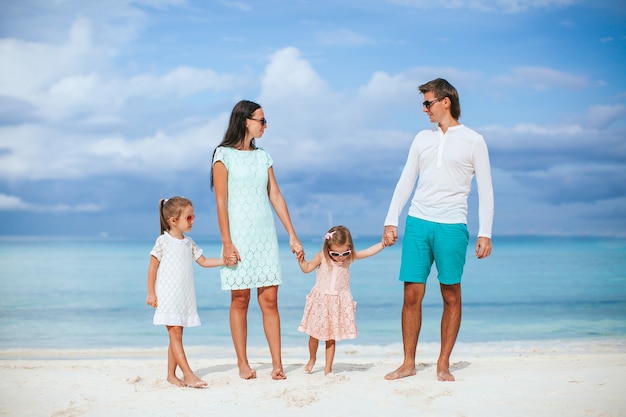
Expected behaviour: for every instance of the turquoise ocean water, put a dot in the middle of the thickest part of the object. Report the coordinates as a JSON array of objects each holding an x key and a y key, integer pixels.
[{"x": 73, "y": 293}]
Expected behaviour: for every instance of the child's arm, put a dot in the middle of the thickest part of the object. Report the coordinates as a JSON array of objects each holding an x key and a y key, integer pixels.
[
  {"x": 210, "y": 262},
  {"x": 307, "y": 267},
  {"x": 151, "y": 299},
  {"x": 372, "y": 250}
]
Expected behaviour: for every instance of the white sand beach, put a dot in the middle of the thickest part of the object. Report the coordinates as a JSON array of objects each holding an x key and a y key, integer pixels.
[{"x": 548, "y": 378}]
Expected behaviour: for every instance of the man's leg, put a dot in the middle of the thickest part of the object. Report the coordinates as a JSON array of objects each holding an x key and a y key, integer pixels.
[
  {"x": 411, "y": 324},
  {"x": 450, "y": 324}
]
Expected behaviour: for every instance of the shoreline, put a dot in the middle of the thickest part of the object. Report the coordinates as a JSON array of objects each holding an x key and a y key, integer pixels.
[
  {"x": 522, "y": 378},
  {"x": 476, "y": 349}
]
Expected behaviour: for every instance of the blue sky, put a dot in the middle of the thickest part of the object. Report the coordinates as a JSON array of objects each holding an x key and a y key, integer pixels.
[{"x": 107, "y": 106}]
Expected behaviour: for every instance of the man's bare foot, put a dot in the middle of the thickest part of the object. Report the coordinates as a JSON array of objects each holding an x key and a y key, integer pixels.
[
  {"x": 278, "y": 374},
  {"x": 308, "y": 368},
  {"x": 175, "y": 381},
  {"x": 194, "y": 382},
  {"x": 443, "y": 370},
  {"x": 445, "y": 375},
  {"x": 402, "y": 372},
  {"x": 246, "y": 372}
]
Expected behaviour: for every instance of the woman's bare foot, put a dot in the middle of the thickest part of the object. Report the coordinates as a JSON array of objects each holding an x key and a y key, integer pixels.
[
  {"x": 328, "y": 370},
  {"x": 402, "y": 372},
  {"x": 308, "y": 368},
  {"x": 246, "y": 372},
  {"x": 278, "y": 374},
  {"x": 172, "y": 379},
  {"x": 194, "y": 382}
]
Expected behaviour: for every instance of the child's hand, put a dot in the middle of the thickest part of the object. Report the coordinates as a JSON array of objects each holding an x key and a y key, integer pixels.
[
  {"x": 151, "y": 300},
  {"x": 233, "y": 259},
  {"x": 300, "y": 256}
]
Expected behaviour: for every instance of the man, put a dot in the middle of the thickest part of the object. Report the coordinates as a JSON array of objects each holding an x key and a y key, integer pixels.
[{"x": 443, "y": 161}]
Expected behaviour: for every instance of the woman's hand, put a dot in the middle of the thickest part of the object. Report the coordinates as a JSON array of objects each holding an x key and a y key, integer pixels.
[
  {"x": 230, "y": 254},
  {"x": 295, "y": 245}
]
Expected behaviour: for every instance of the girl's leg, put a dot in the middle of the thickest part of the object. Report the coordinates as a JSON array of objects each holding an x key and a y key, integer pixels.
[
  {"x": 171, "y": 369},
  {"x": 268, "y": 301},
  {"x": 313, "y": 344},
  {"x": 330, "y": 356},
  {"x": 178, "y": 354},
  {"x": 239, "y": 301}
]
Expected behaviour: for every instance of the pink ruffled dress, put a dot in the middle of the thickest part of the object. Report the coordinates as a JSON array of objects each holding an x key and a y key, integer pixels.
[{"x": 330, "y": 311}]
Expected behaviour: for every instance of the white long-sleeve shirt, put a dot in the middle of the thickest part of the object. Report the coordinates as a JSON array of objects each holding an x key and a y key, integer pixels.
[{"x": 443, "y": 166}]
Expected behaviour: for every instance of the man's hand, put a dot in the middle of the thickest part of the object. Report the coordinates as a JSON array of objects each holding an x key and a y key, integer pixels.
[
  {"x": 390, "y": 236},
  {"x": 483, "y": 247}
]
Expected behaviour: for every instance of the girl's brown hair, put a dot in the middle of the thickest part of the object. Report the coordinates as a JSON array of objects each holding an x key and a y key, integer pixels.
[
  {"x": 338, "y": 235},
  {"x": 171, "y": 207}
]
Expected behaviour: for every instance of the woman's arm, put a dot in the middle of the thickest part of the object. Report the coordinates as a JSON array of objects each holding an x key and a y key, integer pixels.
[
  {"x": 280, "y": 207},
  {"x": 220, "y": 186}
]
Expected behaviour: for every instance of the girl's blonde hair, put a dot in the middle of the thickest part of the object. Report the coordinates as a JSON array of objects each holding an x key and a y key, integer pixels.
[
  {"x": 338, "y": 235},
  {"x": 171, "y": 207}
]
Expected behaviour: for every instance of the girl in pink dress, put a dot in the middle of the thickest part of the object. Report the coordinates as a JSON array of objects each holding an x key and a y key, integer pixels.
[{"x": 329, "y": 313}]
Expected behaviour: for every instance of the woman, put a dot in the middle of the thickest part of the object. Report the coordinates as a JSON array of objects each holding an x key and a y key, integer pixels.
[{"x": 245, "y": 187}]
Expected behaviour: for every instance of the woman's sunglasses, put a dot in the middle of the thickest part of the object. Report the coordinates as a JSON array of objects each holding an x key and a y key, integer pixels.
[{"x": 338, "y": 254}]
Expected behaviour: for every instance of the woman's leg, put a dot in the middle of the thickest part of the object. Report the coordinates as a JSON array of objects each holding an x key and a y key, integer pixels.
[
  {"x": 330, "y": 356},
  {"x": 178, "y": 354},
  {"x": 239, "y": 302},
  {"x": 313, "y": 345},
  {"x": 268, "y": 301}
]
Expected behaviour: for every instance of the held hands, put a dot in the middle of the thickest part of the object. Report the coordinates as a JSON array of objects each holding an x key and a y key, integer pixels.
[
  {"x": 390, "y": 236},
  {"x": 297, "y": 249},
  {"x": 296, "y": 246},
  {"x": 230, "y": 254}
]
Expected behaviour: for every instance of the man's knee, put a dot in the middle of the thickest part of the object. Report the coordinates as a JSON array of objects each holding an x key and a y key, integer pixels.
[
  {"x": 451, "y": 294},
  {"x": 413, "y": 294}
]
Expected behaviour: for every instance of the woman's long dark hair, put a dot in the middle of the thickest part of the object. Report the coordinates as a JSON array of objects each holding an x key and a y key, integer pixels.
[{"x": 236, "y": 131}]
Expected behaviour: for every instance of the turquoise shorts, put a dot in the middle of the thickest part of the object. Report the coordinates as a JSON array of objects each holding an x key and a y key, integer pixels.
[{"x": 426, "y": 242}]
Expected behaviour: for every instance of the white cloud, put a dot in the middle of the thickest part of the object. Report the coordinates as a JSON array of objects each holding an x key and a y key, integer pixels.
[
  {"x": 343, "y": 37},
  {"x": 602, "y": 116},
  {"x": 541, "y": 79},
  {"x": 12, "y": 203},
  {"x": 29, "y": 67},
  {"x": 505, "y": 6}
]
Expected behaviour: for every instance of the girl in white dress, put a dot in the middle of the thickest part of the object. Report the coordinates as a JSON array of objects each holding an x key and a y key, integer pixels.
[{"x": 171, "y": 286}]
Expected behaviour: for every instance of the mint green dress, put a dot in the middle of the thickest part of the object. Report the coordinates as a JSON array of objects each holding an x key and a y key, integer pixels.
[{"x": 251, "y": 220}]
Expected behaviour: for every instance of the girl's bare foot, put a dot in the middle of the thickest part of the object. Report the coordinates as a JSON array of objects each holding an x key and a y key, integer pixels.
[
  {"x": 278, "y": 374},
  {"x": 308, "y": 368},
  {"x": 172, "y": 379},
  {"x": 246, "y": 372},
  {"x": 194, "y": 382}
]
